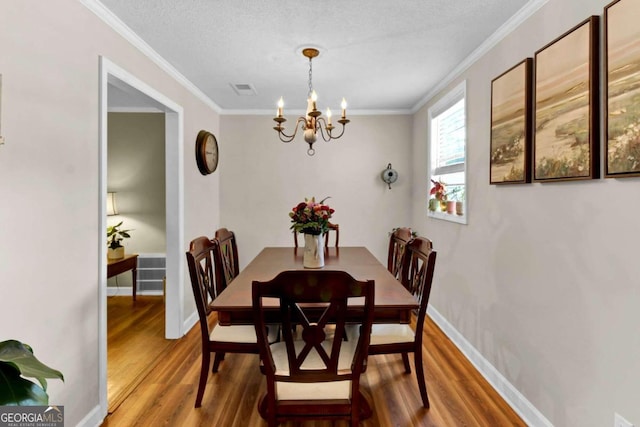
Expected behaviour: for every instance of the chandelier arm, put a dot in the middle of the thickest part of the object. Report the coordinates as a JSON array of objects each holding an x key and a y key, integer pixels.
[
  {"x": 341, "y": 133},
  {"x": 289, "y": 138},
  {"x": 320, "y": 122}
]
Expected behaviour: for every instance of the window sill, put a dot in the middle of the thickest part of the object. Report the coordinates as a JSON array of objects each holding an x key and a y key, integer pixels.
[{"x": 460, "y": 219}]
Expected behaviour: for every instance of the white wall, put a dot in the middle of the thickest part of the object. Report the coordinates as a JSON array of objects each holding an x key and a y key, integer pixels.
[
  {"x": 544, "y": 280},
  {"x": 263, "y": 178},
  {"x": 49, "y": 171}
]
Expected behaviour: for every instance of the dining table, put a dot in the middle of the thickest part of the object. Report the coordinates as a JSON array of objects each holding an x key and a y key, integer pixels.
[{"x": 393, "y": 303}]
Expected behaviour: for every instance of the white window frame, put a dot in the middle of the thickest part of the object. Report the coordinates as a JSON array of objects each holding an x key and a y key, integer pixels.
[{"x": 450, "y": 99}]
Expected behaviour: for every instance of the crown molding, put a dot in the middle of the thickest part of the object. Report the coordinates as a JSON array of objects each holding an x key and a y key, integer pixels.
[
  {"x": 134, "y": 110},
  {"x": 505, "y": 29},
  {"x": 303, "y": 112},
  {"x": 129, "y": 35}
]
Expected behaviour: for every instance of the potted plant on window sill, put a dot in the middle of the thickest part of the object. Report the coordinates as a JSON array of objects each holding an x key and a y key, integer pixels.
[
  {"x": 114, "y": 237},
  {"x": 455, "y": 199},
  {"x": 17, "y": 362},
  {"x": 439, "y": 194}
]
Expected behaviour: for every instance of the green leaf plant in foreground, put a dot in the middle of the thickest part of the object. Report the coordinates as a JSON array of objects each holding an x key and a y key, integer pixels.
[{"x": 17, "y": 361}]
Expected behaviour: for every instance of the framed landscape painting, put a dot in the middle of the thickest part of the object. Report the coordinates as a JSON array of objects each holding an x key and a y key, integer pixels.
[
  {"x": 511, "y": 119},
  {"x": 622, "y": 106},
  {"x": 566, "y": 106}
]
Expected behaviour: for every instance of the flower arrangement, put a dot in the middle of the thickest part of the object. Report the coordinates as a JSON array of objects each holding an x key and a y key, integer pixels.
[
  {"x": 311, "y": 217},
  {"x": 438, "y": 190}
]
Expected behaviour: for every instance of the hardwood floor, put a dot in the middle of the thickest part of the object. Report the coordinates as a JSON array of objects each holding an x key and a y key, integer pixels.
[
  {"x": 459, "y": 395},
  {"x": 135, "y": 341}
]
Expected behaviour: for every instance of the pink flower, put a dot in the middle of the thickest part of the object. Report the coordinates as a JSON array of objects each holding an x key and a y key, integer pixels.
[{"x": 310, "y": 216}]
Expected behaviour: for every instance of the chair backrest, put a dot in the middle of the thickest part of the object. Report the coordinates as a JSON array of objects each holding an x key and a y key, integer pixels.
[
  {"x": 419, "y": 278},
  {"x": 322, "y": 354},
  {"x": 398, "y": 241},
  {"x": 225, "y": 258},
  {"x": 199, "y": 261},
  {"x": 335, "y": 228},
  {"x": 332, "y": 227}
]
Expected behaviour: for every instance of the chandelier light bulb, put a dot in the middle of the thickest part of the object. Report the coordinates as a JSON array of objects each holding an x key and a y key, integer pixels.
[
  {"x": 343, "y": 104},
  {"x": 329, "y": 116},
  {"x": 280, "y": 105}
]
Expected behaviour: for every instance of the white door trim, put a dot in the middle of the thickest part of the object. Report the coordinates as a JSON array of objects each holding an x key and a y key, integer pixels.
[{"x": 110, "y": 73}]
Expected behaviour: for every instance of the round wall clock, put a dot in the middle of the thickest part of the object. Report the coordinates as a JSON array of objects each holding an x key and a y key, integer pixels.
[{"x": 206, "y": 152}]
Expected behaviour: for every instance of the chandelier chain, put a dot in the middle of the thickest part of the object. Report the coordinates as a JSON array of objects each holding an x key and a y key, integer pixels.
[{"x": 310, "y": 78}]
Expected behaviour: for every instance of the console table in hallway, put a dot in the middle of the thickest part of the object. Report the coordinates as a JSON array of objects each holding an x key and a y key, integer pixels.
[{"x": 118, "y": 266}]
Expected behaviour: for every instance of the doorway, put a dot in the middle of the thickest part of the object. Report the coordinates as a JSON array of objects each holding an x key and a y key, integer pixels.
[{"x": 141, "y": 96}]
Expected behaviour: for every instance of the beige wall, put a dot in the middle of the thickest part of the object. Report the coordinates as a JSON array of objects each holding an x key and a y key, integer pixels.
[
  {"x": 263, "y": 178},
  {"x": 544, "y": 280},
  {"x": 49, "y": 182}
]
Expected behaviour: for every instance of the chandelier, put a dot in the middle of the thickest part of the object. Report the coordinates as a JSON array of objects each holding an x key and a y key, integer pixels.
[{"x": 313, "y": 123}]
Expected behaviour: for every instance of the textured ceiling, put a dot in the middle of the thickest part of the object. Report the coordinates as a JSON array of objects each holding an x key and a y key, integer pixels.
[{"x": 379, "y": 55}]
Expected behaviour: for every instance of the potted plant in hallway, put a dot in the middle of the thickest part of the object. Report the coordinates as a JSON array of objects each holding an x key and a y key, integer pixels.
[
  {"x": 114, "y": 237},
  {"x": 17, "y": 362}
]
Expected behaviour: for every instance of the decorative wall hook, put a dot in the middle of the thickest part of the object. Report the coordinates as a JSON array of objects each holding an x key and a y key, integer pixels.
[{"x": 389, "y": 175}]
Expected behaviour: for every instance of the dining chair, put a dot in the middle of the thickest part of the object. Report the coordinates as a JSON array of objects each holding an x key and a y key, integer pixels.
[
  {"x": 225, "y": 261},
  {"x": 332, "y": 227},
  {"x": 316, "y": 376},
  {"x": 397, "y": 244},
  {"x": 219, "y": 339},
  {"x": 336, "y": 229},
  {"x": 400, "y": 338},
  {"x": 225, "y": 257}
]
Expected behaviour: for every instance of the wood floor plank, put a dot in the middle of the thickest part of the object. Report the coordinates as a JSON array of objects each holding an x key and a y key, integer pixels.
[
  {"x": 135, "y": 340},
  {"x": 165, "y": 396}
]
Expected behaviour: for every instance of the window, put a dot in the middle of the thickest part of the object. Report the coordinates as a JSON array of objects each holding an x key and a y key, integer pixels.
[{"x": 447, "y": 157}]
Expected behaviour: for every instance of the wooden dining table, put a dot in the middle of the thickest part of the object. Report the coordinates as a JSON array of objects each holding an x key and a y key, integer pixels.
[{"x": 393, "y": 303}]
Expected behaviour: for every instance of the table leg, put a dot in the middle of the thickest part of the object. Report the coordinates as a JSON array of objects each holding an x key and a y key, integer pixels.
[{"x": 134, "y": 284}]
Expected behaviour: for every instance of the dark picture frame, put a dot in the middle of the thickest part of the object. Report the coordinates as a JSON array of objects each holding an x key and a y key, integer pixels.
[
  {"x": 511, "y": 125},
  {"x": 566, "y": 99},
  {"x": 622, "y": 89}
]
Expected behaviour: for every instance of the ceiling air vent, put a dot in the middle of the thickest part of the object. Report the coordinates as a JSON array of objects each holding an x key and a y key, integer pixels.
[{"x": 244, "y": 89}]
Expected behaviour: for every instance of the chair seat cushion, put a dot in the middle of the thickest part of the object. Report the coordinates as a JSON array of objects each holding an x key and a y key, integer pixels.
[
  {"x": 240, "y": 333},
  {"x": 391, "y": 333},
  {"x": 312, "y": 391}
]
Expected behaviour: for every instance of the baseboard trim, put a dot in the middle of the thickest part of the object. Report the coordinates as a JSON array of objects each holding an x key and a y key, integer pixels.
[
  {"x": 189, "y": 322},
  {"x": 529, "y": 413},
  {"x": 93, "y": 418},
  {"x": 113, "y": 291}
]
